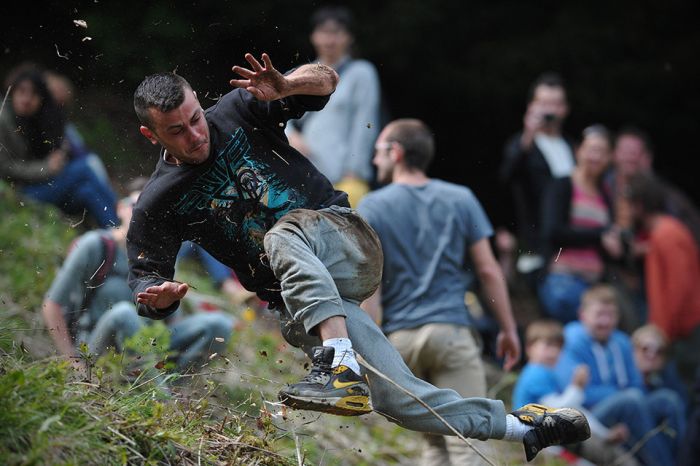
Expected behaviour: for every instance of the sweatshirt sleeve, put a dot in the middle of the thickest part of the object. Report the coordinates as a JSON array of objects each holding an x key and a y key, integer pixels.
[
  {"x": 275, "y": 112},
  {"x": 152, "y": 246}
]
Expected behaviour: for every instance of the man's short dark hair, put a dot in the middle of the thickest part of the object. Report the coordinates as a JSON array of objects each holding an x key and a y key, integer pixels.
[
  {"x": 164, "y": 91},
  {"x": 549, "y": 79},
  {"x": 647, "y": 191},
  {"x": 416, "y": 139},
  {"x": 339, "y": 14},
  {"x": 636, "y": 132}
]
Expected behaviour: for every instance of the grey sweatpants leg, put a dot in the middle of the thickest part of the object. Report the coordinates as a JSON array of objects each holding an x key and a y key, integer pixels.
[{"x": 327, "y": 262}]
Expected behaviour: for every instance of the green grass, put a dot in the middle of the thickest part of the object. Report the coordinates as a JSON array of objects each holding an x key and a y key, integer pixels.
[
  {"x": 45, "y": 418},
  {"x": 33, "y": 241}
]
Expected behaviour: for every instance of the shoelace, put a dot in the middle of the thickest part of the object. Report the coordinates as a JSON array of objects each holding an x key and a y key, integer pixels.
[
  {"x": 548, "y": 433},
  {"x": 318, "y": 374}
]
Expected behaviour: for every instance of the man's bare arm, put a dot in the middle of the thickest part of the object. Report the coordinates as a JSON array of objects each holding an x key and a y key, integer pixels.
[
  {"x": 266, "y": 83},
  {"x": 496, "y": 291},
  {"x": 313, "y": 79}
]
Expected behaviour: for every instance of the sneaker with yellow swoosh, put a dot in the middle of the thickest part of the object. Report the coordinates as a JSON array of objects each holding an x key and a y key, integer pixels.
[
  {"x": 551, "y": 426},
  {"x": 329, "y": 390}
]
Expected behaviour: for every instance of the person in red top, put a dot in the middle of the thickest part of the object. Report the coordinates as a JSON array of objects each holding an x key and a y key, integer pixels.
[{"x": 672, "y": 271}]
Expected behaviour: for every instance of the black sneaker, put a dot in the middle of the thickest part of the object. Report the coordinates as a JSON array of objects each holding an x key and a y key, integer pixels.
[
  {"x": 334, "y": 391},
  {"x": 551, "y": 427}
]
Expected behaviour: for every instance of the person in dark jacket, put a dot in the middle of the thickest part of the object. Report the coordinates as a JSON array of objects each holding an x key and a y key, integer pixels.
[{"x": 532, "y": 159}]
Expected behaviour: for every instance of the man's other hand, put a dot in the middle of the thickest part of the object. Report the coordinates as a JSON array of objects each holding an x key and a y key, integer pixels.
[{"x": 162, "y": 296}]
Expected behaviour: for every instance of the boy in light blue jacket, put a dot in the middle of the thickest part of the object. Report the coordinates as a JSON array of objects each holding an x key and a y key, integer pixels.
[{"x": 615, "y": 392}]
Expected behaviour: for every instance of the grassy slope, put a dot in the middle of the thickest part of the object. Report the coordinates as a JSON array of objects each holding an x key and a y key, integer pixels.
[{"x": 49, "y": 415}]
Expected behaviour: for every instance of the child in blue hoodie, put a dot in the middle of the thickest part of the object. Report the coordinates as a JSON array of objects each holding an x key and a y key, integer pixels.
[
  {"x": 538, "y": 383},
  {"x": 615, "y": 392}
]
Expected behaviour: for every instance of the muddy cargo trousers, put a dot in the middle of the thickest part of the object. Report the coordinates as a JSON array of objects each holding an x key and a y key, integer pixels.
[{"x": 329, "y": 261}]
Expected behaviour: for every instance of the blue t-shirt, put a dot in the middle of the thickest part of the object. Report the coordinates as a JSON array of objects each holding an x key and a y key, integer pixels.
[
  {"x": 534, "y": 382},
  {"x": 426, "y": 232}
]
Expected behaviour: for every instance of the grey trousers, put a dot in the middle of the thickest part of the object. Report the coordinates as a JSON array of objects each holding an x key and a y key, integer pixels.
[{"x": 328, "y": 262}]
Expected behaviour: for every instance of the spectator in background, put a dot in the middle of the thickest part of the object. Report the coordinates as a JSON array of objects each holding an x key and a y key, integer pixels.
[
  {"x": 532, "y": 158},
  {"x": 35, "y": 155},
  {"x": 671, "y": 269},
  {"x": 633, "y": 155},
  {"x": 339, "y": 140},
  {"x": 576, "y": 228},
  {"x": 615, "y": 392},
  {"x": 537, "y": 383},
  {"x": 651, "y": 357},
  {"x": 428, "y": 228},
  {"x": 90, "y": 301},
  {"x": 63, "y": 92}
]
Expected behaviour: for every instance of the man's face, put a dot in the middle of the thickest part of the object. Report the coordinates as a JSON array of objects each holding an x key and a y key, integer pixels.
[
  {"x": 550, "y": 100},
  {"x": 331, "y": 40},
  {"x": 25, "y": 100},
  {"x": 600, "y": 319},
  {"x": 631, "y": 155},
  {"x": 383, "y": 158},
  {"x": 183, "y": 131}
]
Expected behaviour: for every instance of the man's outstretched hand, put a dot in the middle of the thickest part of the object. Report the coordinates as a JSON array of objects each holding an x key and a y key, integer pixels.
[
  {"x": 162, "y": 296},
  {"x": 265, "y": 83}
]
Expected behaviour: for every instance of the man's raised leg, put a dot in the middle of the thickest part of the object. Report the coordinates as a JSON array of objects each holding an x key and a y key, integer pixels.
[{"x": 295, "y": 247}]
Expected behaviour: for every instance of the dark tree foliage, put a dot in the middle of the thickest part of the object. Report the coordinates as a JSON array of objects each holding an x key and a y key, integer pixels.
[{"x": 464, "y": 67}]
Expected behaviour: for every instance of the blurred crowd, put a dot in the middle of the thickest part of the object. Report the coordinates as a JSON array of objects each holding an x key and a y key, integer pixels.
[
  {"x": 608, "y": 250},
  {"x": 604, "y": 249}
]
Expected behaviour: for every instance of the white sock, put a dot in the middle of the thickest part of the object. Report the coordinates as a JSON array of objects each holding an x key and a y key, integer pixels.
[
  {"x": 515, "y": 428},
  {"x": 343, "y": 353}
]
